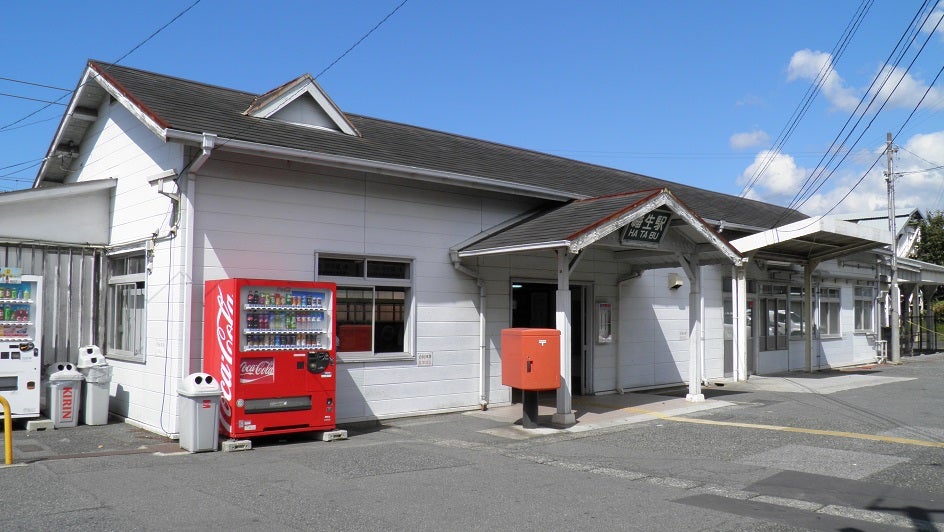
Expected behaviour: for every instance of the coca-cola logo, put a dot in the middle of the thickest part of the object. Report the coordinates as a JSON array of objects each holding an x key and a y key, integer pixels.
[
  {"x": 257, "y": 370},
  {"x": 225, "y": 341}
]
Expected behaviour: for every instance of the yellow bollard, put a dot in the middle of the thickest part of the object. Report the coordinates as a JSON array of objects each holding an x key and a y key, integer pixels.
[{"x": 7, "y": 431}]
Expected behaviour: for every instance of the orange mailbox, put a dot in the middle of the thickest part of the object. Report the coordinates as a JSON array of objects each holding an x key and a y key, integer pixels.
[{"x": 531, "y": 358}]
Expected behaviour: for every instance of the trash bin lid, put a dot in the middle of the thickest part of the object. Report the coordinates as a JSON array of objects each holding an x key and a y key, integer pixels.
[
  {"x": 68, "y": 373},
  {"x": 198, "y": 385},
  {"x": 57, "y": 366},
  {"x": 89, "y": 356}
]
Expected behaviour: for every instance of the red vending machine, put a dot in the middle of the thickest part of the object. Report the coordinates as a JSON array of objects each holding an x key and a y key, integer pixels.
[{"x": 271, "y": 346}]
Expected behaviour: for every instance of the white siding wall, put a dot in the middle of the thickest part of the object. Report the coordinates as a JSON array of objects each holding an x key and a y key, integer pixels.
[
  {"x": 713, "y": 320},
  {"x": 119, "y": 147},
  {"x": 849, "y": 348},
  {"x": 263, "y": 221},
  {"x": 653, "y": 330}
]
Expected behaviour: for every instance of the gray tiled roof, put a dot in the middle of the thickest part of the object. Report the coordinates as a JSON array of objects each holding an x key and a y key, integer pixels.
[
  {"x": 200, "y": 108},
  {"x": 564, "y": 223}
]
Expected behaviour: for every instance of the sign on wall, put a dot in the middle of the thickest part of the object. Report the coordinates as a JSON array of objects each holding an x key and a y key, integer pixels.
[{"x": 648, "y": 229}]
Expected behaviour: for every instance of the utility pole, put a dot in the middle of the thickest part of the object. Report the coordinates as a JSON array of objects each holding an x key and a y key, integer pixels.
[{"x": 895, "y": 296}]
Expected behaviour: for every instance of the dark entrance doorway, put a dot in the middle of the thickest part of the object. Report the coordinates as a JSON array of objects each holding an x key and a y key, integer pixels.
[{"x": 535, "y": 305}]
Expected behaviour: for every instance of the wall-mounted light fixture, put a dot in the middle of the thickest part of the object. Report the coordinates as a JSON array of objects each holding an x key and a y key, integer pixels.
[{"x": 675, "y": 281}]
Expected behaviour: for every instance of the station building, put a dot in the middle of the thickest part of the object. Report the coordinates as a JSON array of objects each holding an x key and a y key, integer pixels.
[{"x": 154, "y": 185}]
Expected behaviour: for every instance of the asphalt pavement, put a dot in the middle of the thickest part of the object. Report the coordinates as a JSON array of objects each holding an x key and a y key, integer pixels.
[{"x": 854, "y": 449}]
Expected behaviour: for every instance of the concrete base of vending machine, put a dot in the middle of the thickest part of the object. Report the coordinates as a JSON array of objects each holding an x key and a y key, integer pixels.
[
  {"x": 37, "y": 425},
  {"x": 236, "y": 445},
  {"x": 333, "y": 435}
]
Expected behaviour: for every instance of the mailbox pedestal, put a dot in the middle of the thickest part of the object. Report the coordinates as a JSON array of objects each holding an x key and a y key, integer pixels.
[{"x": 531, "y": 363}]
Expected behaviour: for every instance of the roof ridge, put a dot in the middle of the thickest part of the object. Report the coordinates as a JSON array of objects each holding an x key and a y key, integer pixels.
[{"x": 108, "y": 66}]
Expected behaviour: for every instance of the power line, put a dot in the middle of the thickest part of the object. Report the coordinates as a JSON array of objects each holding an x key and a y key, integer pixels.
[
  {"x": 887, "y": 98},
  {"x": 51, "y": 102},
  {"x": 812, "y": 91},
  {"x": 818, "y": 177},
  {"x": 359, "y": 41},
  {"x": 34, "y": 84},
  {"x": 936, "y": 167},
  {"x": 340, "y": 57},
  {"x": 70, "y": 93}
]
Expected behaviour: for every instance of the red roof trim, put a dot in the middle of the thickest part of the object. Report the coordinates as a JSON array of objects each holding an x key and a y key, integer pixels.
[
  {"x": 103, "y": 73},
  {"x": 653, "y": 193}
]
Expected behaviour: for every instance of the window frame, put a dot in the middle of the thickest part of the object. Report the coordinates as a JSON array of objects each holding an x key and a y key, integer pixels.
[
  {"x": 117, "y": 286},
  {"x": 773, "y": 297},
  {"x": 358, "y": 278},
  {"x": 863, "y": 323},
  {"x": 829, "y": 297}
]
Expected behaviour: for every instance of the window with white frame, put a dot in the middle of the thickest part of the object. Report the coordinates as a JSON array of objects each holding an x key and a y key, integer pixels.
[
  {"x": 126, "y": 325},
  {"x": 795, "y": 316},
  {"x": 773, "y": 315},
  {"x": 374, "y": 299},
  {"x": 829, "y": 305},
  {"x": 864, "y": 308}
]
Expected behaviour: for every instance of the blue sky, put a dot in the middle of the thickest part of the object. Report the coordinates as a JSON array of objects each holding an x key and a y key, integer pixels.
[{"x": 689, "y": 91}]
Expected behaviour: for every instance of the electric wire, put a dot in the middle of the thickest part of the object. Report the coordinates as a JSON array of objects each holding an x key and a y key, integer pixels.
[
  {"x": 40, "y": 100},
  {"x": 816, "y": 179},
  {"x": 937, "y": 166},
  {"x": 133, "y": 49},
  {"x": 366, "y": 35},
  {"x": 336, "y": 60},
  {"x": 812, "y": 91},
  {"x": 34, "y": 84},
  {"x": 903, "y": 125}
]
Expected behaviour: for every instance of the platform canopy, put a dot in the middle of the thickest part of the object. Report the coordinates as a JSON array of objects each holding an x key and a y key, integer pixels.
[{"x": 814, "y": 239}]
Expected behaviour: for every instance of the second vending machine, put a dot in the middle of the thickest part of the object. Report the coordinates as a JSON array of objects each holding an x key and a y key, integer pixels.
[{"x": 271, "y": 346}]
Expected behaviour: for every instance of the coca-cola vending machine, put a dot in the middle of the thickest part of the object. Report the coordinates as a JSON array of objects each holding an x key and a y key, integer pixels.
[{"x": 271, "y": 346}]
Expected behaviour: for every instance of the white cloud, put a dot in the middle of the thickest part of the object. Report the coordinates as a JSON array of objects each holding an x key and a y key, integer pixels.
[
  {"x": 778, "y": 182},
  {"x": 916, "y": 187},
  {"x": 751, "y": 100},
  {"x": 908, "y": 91},
  {"x": 935, "y": 20},
  {"x": 751, "y": 139},
  {"x": 812, "y": 66}
]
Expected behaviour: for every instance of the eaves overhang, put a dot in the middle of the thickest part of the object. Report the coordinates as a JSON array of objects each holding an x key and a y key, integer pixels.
[
  {"x": 81, "y": 112},
  {"x": 391, "y": 169}
]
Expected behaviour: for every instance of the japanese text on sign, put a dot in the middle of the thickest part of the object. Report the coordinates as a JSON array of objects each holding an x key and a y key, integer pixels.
[{"x": 649, "y": 228}]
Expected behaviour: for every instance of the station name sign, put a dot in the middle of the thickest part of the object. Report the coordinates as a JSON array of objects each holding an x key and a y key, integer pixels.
[{"x": 647, "y": 229}]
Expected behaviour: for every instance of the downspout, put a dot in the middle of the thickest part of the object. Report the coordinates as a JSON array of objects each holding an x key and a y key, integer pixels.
[
  {"x": 186, "y": 250},
  {"x": 483, "y": 358}
]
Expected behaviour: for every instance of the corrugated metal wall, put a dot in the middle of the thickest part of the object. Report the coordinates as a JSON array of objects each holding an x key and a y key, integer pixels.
[{"x": 72, "y": 295}]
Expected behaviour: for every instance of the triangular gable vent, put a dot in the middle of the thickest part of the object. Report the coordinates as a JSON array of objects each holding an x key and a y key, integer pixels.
[{"x": 303, "y": 102}]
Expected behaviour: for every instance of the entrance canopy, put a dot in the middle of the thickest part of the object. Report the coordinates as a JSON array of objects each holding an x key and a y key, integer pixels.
[{"x": 651, "y": 227}]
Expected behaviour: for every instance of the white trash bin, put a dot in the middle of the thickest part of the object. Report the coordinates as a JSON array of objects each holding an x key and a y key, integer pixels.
[
  {"x": 93, "y": 366},
  {"x": 199, "y": 412},
  {"x": 65, "y": 395}
]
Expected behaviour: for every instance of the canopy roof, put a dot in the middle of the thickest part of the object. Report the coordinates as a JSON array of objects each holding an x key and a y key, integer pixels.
[{"x": 813, "y": 239}]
